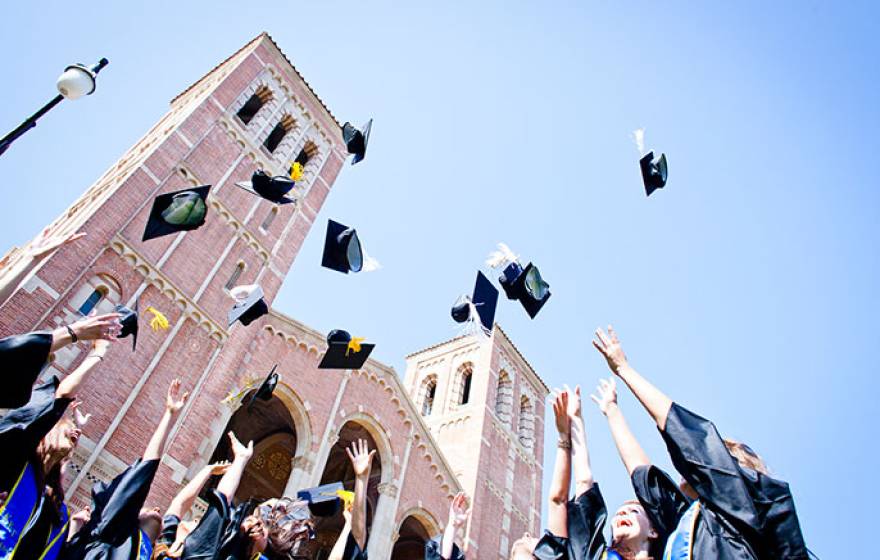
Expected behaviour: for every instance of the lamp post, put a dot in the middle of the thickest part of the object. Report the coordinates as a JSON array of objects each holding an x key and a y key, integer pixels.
[{"x": 76, "y": 81}]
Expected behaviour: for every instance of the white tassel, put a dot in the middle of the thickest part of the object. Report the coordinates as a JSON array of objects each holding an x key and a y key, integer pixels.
[
  {"x": 502, "y": 257},
  {"x": 370, "y": 264},
  {"x": 81, "y": 419},
  {"x": 473, "y": 326},
  {"x": 639, "y": 138}
]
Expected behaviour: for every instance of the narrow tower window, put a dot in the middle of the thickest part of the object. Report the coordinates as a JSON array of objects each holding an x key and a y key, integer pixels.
[
  {"x": 278, "y": 133},
  {"x": 504, "y": 397},
  {"x": 270, "y": 217},
  {"x": 253, "y": 105},
  {"x": 429, "y": 391},
  {"x": 463, "y": 383},
  {"x": 233, "y": 278},
  {"x": 526, "y": 423},
  {"x": 94, "y": 298}
]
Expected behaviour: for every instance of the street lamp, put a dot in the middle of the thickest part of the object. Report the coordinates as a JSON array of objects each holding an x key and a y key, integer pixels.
[{"x": 76, "y": 81}]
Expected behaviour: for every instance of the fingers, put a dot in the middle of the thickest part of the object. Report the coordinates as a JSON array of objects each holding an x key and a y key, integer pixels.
[
  {"x": 603, "y": 338},
  {"x": 349, "y": 453},
  {"x": 612, "y": 334},
  {"x": 599, "y": 347},
  {"x": 596, "y": 400}
]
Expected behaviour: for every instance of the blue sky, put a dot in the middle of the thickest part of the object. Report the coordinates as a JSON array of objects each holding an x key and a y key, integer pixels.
[{"x": 745, "y": 289}]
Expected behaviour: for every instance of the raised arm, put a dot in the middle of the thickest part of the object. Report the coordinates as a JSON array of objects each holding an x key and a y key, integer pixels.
[
  {"x": 184, "y": 499},
  {"x": 362, "y": 463},
  {"x": 655, "y": 402},
  {"x": 93, "y": 327},
  {"x": 458, "y": 517},
  {"x": 338, "y": 550},
  {"x": 557, "y": 499},
  {"x": 631, "y": 452},
  {"x": 229, "y": 483},
  {"x": 39, "y": 249},
  {"x": 173, "y": 403},
  {"x": 68, "y": 387},
  {"x": 580, "y": 453}
]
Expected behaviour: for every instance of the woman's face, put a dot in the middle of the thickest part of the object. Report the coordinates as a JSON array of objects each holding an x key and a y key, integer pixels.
[
  {"x": 62, "y": 438},
  {"x": 631, "y": 524},
  {"x": 256, "y": 532}
]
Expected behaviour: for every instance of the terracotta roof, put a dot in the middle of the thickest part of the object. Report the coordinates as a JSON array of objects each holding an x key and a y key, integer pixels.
[{"x": 249, "y": 44}]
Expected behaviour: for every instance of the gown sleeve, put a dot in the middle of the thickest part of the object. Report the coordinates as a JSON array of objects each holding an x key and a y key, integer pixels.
[
  {"x": 204, "y": 541},
  {"x": 664, "y": 503},
  {"x": 21, "y": 429},
  {"x": 23, "y": 357},
  {"x": 433, "y": 550},
  {"x": 352, "y": 550},
  {"x": 118, "y": 504},
  {"x": 586, "y": 520},
  {"x": 551, "y": 547},
  {"x": 753, "y": 500}
]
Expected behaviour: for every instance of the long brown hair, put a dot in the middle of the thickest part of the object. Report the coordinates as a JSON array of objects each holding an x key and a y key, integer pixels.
[{"x": 746, "y": 456}]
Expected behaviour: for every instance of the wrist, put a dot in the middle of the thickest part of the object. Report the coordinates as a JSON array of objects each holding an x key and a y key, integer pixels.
[{"x": 610, "y": 409}]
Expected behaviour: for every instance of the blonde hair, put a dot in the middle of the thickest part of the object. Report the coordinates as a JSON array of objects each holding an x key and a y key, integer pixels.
[{"x": 746, "y": 456}]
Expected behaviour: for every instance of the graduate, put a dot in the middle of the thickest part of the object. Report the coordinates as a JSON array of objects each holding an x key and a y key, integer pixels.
[
  {"x": 445, "y": 547},
  {"x": 738, "y": 510},
  {"x": 207, "y": 538},
  {"x": 24, "y": 356},
  {"x": 352, "y": 541},
  {"x": 119, "y": 526},
  {"x": 169, "y": 544},
  {"x": 37, "y": 440},
  {"x": 633, "y": 536},
  {"x": 35, "y": 253},
  {"x": 553, "y": 545}
]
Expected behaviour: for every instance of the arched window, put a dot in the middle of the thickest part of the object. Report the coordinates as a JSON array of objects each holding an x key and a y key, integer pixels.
[
  {"x": 269, "y": 218},
  {"x": 285, "y": 125},
  {"x": 253, "y": 105},
  {"x": 526, "y": 429},
  {"x": 463, "y": 378},
  {"x": 92, "y": 301},
  {"x": 427, "y": 394},
  {"x": 236, "y": 274},
  {"x": 504, "y": 397}
]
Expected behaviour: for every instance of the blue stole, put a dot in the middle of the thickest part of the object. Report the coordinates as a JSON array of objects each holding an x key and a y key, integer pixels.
[
  {"x": 17, "y": 511},
  {"x": 145, "y": 547},
  {"x": 680, "y": 545},
  {"x": 611, "y": 555}
]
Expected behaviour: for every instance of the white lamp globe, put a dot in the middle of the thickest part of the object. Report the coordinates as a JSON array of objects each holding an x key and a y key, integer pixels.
[{"x": 76, "y": 81}]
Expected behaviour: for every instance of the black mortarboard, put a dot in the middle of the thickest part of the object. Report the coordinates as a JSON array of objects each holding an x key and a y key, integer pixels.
[
  {"x": 129, "y": 321},
  {"x": 508, "y": 278},
  {"x": 177, "y": 211},
  {"x": 249, "y": 305},
  {"x": 324, "y": 501},
  {"x": 264, "y": 392},
  {"x": 272, "y": 189},
  {"x": 654, "y": 172},
  {"x": 356, "y": 140},
  {"x": 484, "y": 300},
  {"x": 528, "y": 287},
  {"x": 342, "y": 249},
  {"x": 342, "y": 354}
]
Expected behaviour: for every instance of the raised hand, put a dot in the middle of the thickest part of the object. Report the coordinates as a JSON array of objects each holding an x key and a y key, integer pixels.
[
  {"x": 459, "y": 510},
  {"x": 361, "y": 457},
  {"x": 574, "y": 402},
  {"x": 95, "y": 327},
  {"x": 560, "y": 412},
  {"x": 99, "y": 347},
  {"x": 79, "y": 519},
  {"x": 174, "y": 401},
  {"x": 239, "y": 450},
  {"x": 609, "y": 346},
  {"x": 607, "y": 390},
  {"x": 45, "y": 243}
]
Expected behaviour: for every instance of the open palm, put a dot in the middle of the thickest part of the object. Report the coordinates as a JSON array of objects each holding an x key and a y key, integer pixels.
[{"x": 361, "y": 457}]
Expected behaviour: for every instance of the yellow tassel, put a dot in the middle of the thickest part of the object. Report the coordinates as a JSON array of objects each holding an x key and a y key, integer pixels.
[
  {"x": 296, "y": 171},
  {"x": 354, "y": 345},
  {"x": 346, "y": 497},
  {"x": 159, "y": 321}
]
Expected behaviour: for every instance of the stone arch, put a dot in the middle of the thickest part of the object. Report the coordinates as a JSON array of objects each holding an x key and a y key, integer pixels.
[
  {"x": 462, "y": 384},
  {"x": 504, "y": 397},
  {"x": 427, "y": 395},
  {"x": 416, "y": 527}
]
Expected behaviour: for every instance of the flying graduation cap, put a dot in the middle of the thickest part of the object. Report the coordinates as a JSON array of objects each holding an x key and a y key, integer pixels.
[
  {"x": 343, "y": 251},
  {"x": 356, "y": 140},
  {"x": 272, "y": 189},
  {"x": 345, "y": 351},
  {"x": 177, "y": 211},
  {"x": 654, "y": 172},
  {"x": 129, "y": 320},
  {"x": 249, "y": 304},
  {"x": 477, "y": 311},
  {"x": 324, "y": 500},
  {"x": 264, "y": 392},
  {"x": 525, "y": 285}
]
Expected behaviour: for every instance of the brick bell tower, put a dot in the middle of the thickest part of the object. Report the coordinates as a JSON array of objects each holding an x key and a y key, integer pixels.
[
  {"x": 252, "y": 110},
  {"x": 484, "y": 405}
]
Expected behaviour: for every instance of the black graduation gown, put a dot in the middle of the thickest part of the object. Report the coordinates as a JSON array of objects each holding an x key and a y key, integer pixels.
[
  {"x": 166, "y": 538},
  {"x": 433, "y": 549},
  {"x": 23, "y": 357},
  {"x": 113, "y": 532},
  {"x": 204, "y": 541},
  {"x": 353, "y": 551},
  {"x": 551, "y": 547},
  {"x": 744, "y": 514},
  {"x": 21, "y": 430},
  {"x": 586, "y": 521}
]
